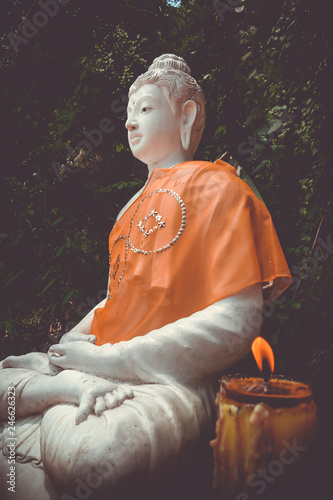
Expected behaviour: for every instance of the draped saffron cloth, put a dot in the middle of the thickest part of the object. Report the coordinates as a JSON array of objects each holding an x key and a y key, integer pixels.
[{"x": 195, "y": 235}]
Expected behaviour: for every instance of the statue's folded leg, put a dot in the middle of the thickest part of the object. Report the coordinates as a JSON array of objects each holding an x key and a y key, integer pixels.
[
  {"x": 25, "y": 435},
  {"x": 142, "y": 441}
]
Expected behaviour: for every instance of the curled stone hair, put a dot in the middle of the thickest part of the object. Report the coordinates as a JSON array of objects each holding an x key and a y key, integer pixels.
[{"x": 172, "y": 73}]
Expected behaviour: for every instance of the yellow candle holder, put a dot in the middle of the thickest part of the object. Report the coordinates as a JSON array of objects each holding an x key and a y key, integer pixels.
[{"x": 261, "y": 431}]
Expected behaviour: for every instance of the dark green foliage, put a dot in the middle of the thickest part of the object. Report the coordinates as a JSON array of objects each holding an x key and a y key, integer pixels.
[{"x": 263, "y": 68}]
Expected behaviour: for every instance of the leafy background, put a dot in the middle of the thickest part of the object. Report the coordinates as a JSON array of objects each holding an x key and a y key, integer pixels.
[{"x": 263, "y": 66}]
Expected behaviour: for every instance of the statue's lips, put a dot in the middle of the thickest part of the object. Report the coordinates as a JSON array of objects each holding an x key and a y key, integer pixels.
[{"x": 135, "y": 139}]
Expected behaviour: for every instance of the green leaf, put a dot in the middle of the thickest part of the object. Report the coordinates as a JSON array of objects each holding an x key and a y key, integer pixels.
[
  {"x": 17, "y": 241},
  {"x": 57, "y": 221},
  {"x": 245, "y": 56},
  {"x": 59, "y": 251},
  {"x": 48, "y": 285},
  {"x": 67, "y": 297},
  {"x": 51, "y": 308},
  {"x": 246, "y": 178},
  {"x": 10, "y": 328},
  {"x": 14, "y": 277},
  {"x": 276, "y": 125},
  {"x": 260, "y": 166}
]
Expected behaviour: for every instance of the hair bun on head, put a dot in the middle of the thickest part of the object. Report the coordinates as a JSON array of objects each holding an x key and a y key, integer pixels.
[{"x": 170, "y": 61}]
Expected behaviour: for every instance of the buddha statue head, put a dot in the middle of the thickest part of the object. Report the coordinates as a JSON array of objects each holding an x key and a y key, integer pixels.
[{"x": 166, "y": 112}]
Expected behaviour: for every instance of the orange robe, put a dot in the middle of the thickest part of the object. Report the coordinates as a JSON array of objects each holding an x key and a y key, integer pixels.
[{"x": 196, "y": 234}]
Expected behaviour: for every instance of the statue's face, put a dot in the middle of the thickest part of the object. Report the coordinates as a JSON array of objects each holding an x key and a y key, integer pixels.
[{"x": 153, "y": 127}]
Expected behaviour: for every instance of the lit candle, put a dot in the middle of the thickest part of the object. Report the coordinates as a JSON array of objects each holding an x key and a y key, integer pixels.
[{"x": 264, "y": 424}]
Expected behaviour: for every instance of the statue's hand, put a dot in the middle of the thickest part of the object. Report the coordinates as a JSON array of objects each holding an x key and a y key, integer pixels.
[
  {"x": 97, "y": 397},
  {"x": 74, "y": 335},
  {"x": 93, "y": 394},
  {"x": 36, "y": 361},
  {"x": 78, "y": 355}
]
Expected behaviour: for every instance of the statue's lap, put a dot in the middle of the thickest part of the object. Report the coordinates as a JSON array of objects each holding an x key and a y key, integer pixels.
[{"x": 150, "y": 434}]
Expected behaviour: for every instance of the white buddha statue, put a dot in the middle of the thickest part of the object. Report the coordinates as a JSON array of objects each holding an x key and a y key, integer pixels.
[{"x": 127, "y": 396}]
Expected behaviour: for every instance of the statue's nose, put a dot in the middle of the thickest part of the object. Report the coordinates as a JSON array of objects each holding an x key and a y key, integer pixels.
[{"x": 130, "y": 123}]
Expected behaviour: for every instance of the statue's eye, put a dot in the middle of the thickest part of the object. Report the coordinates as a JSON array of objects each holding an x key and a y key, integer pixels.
[{"x": 144, "y": 109}]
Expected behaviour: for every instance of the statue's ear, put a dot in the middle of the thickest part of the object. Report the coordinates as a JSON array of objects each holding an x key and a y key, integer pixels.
[{"x": 189, "y": 112}]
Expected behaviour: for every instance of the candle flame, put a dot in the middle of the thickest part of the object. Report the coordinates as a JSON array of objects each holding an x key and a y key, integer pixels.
[{"x": 262, "y": 350}]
